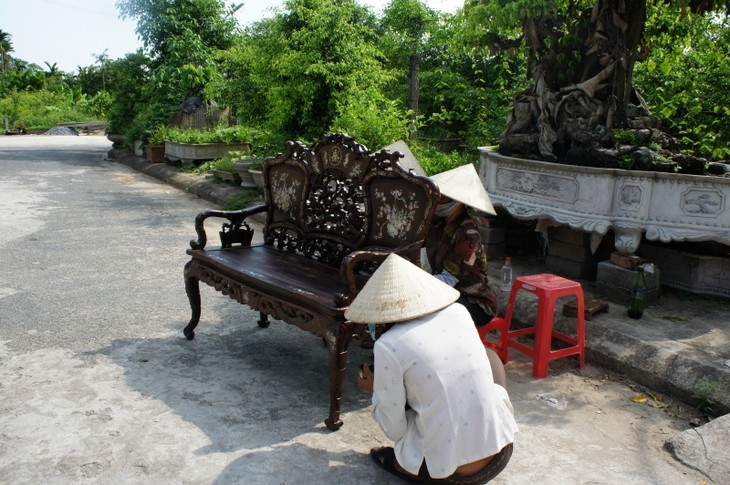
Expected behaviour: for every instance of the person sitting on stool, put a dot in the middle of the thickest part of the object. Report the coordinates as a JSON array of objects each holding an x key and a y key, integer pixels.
[{"x": 454, "y": 245}]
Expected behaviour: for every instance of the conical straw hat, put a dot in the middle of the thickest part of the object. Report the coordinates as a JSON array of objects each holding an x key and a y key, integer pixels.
[
  {"x": 399, "y": 291},
  {"x": 464, "y": 185}
]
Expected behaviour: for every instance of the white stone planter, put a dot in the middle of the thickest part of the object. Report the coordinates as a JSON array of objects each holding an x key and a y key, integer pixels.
[
  {"x": 258, "y": 178},
  {"x": 228, "y": 176},
  {"x": 663, "y": 206},
  {"x": 189, "y": 153},
  {"x": 241, "y": 167}
]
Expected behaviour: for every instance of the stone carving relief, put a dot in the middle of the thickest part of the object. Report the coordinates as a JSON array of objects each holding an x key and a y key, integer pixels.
[
  {"x": 630, "y": 196},
  {"x": 564, "y": 189},
  {"x": 702, "y": 202},
  {"x": 663, "y": 207}
]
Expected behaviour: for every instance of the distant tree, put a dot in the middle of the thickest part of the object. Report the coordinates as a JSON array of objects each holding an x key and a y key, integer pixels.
[
  {"x": 181, "y": 40},
  {"x": 457, "y": 94},
  {"x": 6, "y": 46},
  {"x": 127, "y": 82},
  {"x": 409, "y": 22},
  {"x": 315, "y": 67},
  {"x": 52, "y": 69},
  {"x": 686, "y": 79},
  {"x": 180, "y": 32}
]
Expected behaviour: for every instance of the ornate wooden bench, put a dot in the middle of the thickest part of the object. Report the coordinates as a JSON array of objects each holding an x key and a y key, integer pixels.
[{"x": 333, "y": 212}]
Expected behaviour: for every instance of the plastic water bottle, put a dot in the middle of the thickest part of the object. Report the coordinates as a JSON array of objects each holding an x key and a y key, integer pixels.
[{"x": 506, "y": 279}]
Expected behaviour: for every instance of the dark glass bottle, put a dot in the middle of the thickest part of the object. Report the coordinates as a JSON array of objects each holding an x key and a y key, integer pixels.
[{"x": 637, "y": 293}]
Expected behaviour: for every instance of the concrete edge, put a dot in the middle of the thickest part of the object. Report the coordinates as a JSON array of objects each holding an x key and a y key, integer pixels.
[
  {"x": 664, "y": 370},
  {"x": 197, "y": 185},
  {"x": 672, "y": 371}
]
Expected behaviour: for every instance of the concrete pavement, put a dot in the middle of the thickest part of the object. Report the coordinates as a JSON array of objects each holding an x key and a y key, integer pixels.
[
  {"x": 678, "y": 344},
  {"x": 98, "y": 385}
]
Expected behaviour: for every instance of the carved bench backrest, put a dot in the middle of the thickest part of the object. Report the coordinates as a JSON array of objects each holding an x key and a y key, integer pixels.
[
  {"x": 400, "y": 203},
  {"x": 335, "y": 197}
]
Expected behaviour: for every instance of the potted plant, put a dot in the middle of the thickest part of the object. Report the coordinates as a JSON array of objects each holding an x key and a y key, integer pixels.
[
  {"x": 242, "y": 164},
  {"x": 223, "y": 169},
  {"x": 192, "y": 145},
  {"x": 155, "y": 146},
  {"x": 254, "y": 169}
]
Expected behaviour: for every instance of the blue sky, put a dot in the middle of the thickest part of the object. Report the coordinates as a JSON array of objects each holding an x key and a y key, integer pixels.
[{"x": 70, "y": 33}]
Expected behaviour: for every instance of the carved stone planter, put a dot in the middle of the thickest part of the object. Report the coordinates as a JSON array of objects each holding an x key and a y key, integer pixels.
[
  {"x": 189, "y": 153},
  {"x": 117, "y": 140},
  {"x": 227, "y": 176},
  {"x": 662, "y": 206},
  {"x": 258, "y": 178}
]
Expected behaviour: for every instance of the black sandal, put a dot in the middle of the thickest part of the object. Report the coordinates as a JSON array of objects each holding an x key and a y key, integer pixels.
[{"x": 385, "y": 459}]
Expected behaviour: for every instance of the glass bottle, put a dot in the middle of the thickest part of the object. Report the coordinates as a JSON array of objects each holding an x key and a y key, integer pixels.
[
  {"x": 506, "y": 275},
  {"x": 637, "y": 293}
]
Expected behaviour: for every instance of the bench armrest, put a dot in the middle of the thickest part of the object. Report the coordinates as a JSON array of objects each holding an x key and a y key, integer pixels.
[
  {"x": 235, "y": 220},
  {"x": 351, "y": 262}
]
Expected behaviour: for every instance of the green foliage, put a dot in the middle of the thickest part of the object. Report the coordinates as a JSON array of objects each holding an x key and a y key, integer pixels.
[
  {"x": 41, "y": 110},
  {"x": 706, "y": 391},
  {"x": 243, "y": 199},
  {"x": 303, "y": 66},
  {"x": 181, "y": 39},
  {"x": 28, "y": 79},
  {"x": 126, "y": 81},
  {"x": 96, "y": 105},
  {"x": 373, "y": 120},
  {"x": 626, "y": 162},
  {"x": 181, "y": 32},
  {"x": 466, "y": 94},
  {"x": 627, "y": 137},
  {"x": 159, "y": 135},
  {"x": 228, "y": 134},
  {"x": 225, "y": 164},
  {"x": 409, "y": 19},
  {"x": 465, "y": 91},
  {"x": 686, "y": 78},
  {"x": 434, "y": 161}
]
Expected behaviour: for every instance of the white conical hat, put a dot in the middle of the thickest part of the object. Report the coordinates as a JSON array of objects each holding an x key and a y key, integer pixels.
[
  {"x": 399, "y": 291},
  {"x": 464, "y": 185}
]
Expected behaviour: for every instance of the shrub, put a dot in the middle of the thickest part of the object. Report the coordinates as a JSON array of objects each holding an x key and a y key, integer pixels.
[
  {"x": 230, "y": 134},
  {"x": 225, "y": 164},
  {"x": 434, "y": 161},
  {"x": 373, "y": 120},
  {"x": 158, "y": 135},
  {"x": 242, "y": 200},
  {"x": 41, "y": 110}
]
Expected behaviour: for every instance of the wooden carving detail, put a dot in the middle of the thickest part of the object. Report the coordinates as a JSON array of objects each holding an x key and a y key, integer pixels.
[
  {"x": 278, "y": 309},
  {"x": 285, "y": 238},
  {"x": 336, "y": 205}
]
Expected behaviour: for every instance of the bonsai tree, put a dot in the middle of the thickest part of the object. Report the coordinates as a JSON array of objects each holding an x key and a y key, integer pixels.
[{"x": 581, "y": 57}]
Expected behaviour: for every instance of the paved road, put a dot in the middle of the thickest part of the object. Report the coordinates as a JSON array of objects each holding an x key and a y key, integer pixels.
[{"x": 98, "y": 385}]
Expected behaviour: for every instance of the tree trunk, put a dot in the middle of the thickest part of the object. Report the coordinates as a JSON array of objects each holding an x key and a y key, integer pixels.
[
  {"x": 569, "y": 114},
  {"x": 413, "y": 89}
]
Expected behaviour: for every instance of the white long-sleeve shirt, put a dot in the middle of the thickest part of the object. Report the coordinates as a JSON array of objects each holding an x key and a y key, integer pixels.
[{"x": 438, "y": 366}]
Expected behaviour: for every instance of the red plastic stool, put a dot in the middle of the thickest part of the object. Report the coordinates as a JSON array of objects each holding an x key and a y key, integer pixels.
[
  {"x": 499, "y": 324},
  {"x": 548, "y": 288}
]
